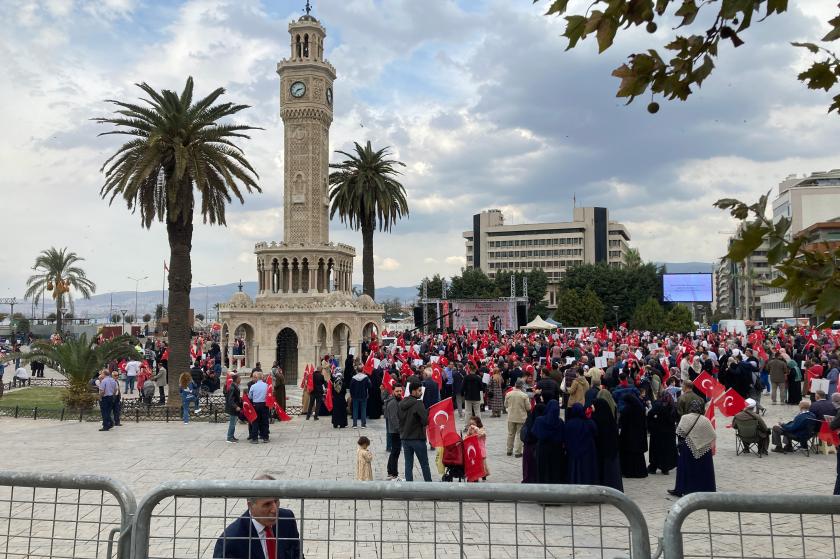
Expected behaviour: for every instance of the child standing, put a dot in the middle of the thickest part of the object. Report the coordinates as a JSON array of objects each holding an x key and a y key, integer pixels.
[
  {"x": 475, "y": 427},
  {"x": 364, "y": 460}
]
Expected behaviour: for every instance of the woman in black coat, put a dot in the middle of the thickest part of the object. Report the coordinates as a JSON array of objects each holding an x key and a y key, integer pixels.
[
  {"x": 374, "y": 404},
  {"x": 632, "y": 438},
  {"x": 606, "y": 443},
  {"x": 529, "y": 446},
  {"x": 551, "y": 455},
  {"x": 339, "y": 399},
  {"x": 662, "y": 426}
]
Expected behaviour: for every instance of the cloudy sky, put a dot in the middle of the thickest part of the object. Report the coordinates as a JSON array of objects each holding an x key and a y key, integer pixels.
[{"x": 477, "y": 97}]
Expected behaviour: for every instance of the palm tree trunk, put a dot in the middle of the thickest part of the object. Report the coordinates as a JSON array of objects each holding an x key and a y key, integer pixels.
[
  {"x": 368, "y": 287},
  {"x": 180, "y": 278},
  {"x": 58, "y": 318}
]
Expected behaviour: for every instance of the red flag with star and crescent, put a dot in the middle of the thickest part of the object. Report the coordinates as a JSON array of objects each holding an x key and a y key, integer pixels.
[
  {"x": 708, "y": 385},
  {"x": 248, "y": 409},
  {"x": 437, "y": 376},
  {"x": 473, "y": 463},
  {"x": 441, "y": 429},
  {"x": 328, "y": 399},
  {"x": 388, "y": 382},
  {"x": 730, "y": 403}
]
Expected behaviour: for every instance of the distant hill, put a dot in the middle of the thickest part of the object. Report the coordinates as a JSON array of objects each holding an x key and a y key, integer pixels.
[
  {"x": 687, "y": 267},
  {"x": 100, "y": 305}
]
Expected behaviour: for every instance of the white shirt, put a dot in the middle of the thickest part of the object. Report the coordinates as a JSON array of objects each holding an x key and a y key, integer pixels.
[
  {"x": 132, "y": 368},
  {"x": 261, "y": 533},
  {"x": 21, "y": 372}
]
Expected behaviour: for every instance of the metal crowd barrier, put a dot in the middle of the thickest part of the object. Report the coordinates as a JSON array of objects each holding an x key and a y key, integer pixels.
[
  {"x": 64, "y": 516},
  {"x": 393, "y": 519},
  {"x": 737, "y": 525}
]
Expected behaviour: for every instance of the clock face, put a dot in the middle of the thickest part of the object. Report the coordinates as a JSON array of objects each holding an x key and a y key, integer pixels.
[
  {"x": 329, "y": 95},
  {"x": 298, "y": 89}
]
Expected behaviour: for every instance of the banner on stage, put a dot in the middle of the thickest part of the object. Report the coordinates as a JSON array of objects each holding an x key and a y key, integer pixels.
[{"x": 476, "y": 314}]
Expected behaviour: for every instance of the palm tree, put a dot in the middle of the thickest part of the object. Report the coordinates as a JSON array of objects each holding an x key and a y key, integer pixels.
[
  {"x": 632, "y": 258},
  {"x": 365, "y": 194},
  {"x": 79, "y": 361},
  {"x": 58, "y": 271},
  {"x": 179, "y": 151}
]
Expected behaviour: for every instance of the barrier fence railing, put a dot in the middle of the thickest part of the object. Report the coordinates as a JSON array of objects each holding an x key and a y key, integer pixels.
[
  {"x": 737, "y": 525},
  {"x": 64, "y": 516},
  {"x": 388, "y": 519}
]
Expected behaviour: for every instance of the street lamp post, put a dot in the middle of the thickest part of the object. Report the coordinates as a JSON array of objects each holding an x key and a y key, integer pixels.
[
  {"x": 63, "y": 311},
  {"x": 123, "y": 311},
  {"x": 206, "y": 298},
  {"x": 615, "y": 310},
  {"x": 136, "y": 288}
]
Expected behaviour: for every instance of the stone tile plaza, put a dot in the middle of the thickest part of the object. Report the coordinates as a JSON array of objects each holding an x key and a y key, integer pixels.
[{"x": 410, "y": 281}]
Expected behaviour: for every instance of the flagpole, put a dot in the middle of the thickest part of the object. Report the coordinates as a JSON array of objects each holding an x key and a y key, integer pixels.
[{"x": 163, "y": 290}]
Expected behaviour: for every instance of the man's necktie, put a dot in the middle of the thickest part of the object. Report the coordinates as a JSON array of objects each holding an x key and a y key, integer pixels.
[{"x": 270, "y": 543}]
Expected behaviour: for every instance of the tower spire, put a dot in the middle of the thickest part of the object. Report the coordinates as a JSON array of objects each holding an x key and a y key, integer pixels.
[{"x": 308, "y": 7}]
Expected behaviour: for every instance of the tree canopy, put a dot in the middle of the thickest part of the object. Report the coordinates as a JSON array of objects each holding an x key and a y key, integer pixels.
[
  {"x": 690, "y": 56},
  {"x": 576, "y": 307}
]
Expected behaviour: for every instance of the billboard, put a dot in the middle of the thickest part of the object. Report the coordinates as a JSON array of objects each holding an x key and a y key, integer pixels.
[
  {"x": 687, "y": 288},
  {"x": 476, "y": 314}
]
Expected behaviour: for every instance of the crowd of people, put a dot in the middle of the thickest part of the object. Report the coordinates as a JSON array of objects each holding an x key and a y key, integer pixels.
[{"x": 595, "y": 407}]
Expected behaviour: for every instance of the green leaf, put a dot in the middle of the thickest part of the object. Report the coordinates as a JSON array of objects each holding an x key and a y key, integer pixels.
[
  {"x": 776, "y": 6},
  {"x": 810, "y": 46},
  {"x": 593, "y": 22},
  {"x": 688, "y": 11},
  {"x": 606, "y": 33},
  {"x": 835, "y": 106},
  {"x": 557, "y": 7},
  {"x": 834, "y": 34},
  {"x": 701, "y": 73},
  {"x": 750, "y": 239},
  {"x": 819, "y": 76},
  {"x": 828, "y": 300},
  {"x": 575, "y": 26}
]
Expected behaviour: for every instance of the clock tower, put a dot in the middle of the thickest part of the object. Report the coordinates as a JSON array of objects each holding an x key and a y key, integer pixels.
[
  {"x": 304, "y": 307},
  {"x": 306, "y": 107}
]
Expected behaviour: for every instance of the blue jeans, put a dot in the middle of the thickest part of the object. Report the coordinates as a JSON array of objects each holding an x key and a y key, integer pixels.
[
  {"x": 360, "y": 411},
  {"x": 418, "y": 447},
  {"x": 232, "y": 426},
  {"x": 765, "y": 380},
  {"x": 129, "y": 384},
  {"x": 106, "y": 404},
  {"x": 185, "y": 410}
]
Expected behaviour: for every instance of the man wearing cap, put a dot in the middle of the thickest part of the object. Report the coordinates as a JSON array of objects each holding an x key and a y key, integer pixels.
[{"x": 751, "y": 428}]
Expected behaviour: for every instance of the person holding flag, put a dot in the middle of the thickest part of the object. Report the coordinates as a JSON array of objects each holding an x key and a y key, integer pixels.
[
  {"x": 233, "y": 406},
  {"x": 315, "y": 387},
  {"x": 413, "y": 419}
]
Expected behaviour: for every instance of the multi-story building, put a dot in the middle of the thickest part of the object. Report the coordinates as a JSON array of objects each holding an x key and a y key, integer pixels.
[
  {"x": 812, "y": 203},
  {"x": 589, "y": 238},
  {"x": 723, "y": 302}
]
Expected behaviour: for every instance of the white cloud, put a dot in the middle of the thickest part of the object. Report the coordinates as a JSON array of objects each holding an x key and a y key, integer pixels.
[
  {"x": 389, "y": 264},
  {"x": 456, "y": 260}
]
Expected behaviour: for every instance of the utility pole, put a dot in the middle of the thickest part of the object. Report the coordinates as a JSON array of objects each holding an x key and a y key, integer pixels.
[{"x": 136, "y": 288}]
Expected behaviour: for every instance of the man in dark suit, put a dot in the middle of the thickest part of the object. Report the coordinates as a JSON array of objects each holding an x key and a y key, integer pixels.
[{"x": 264, "y": 531}]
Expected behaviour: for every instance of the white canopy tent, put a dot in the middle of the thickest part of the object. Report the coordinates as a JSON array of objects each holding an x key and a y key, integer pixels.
[{"x": 538, "y": 324}]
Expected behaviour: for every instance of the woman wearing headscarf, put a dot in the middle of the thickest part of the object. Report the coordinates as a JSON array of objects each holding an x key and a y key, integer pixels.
[
  {"x": 339, "y": 399},
  {"x": 529, "y": 446},
  {"x": 695, "y": 467},
  {"x": 662, "y": 426},
  {"x": 833, "y": 375},
  {"x": 581, "y": 454},
  {"x": 551, "y": 457},
  {"x": 279, "y": 385},
  {"x": 374, "y": 403},
  {"x": 606, "y": 442},
  {"x": 794, "y": 381},
  {"x": 632, "y": 437}
]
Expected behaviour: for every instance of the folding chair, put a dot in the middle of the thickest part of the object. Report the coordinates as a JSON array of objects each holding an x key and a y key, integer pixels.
[
  {"x": 747, "y": 442},
  {"x": 809, "y": 443}
]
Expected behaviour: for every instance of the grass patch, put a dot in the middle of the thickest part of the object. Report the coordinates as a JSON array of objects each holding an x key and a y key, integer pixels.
[{"x": 43, "y": 397}]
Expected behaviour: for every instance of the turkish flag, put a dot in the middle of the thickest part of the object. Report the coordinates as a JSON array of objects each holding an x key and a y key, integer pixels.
[
  {"x": 710, "y": 415},
  {"x": 281, "y": 413},
  {"x": 122, "y": 365},
  {"x": 368, "y": 368},
  {"x": 436, "y": 375},
  {"x": 730, "y": 403},
  {"x": 441, "y": 429},
  {"x": 248, "y": 409},
  {"x": 270, "y": 402},
  {"x": 827, "y": 435},
  {"x": 228, "y": 381},
  {"x": 310, "y": 379},
  {"x": 388, "y": 382},
  {"x": 328, "y": 400},
  {"x": 708, "y": 385},
  {"x": 473, "y": 464}
]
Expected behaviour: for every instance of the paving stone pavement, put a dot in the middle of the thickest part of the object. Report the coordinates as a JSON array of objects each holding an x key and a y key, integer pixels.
[{"x": 143, "y": 455}]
